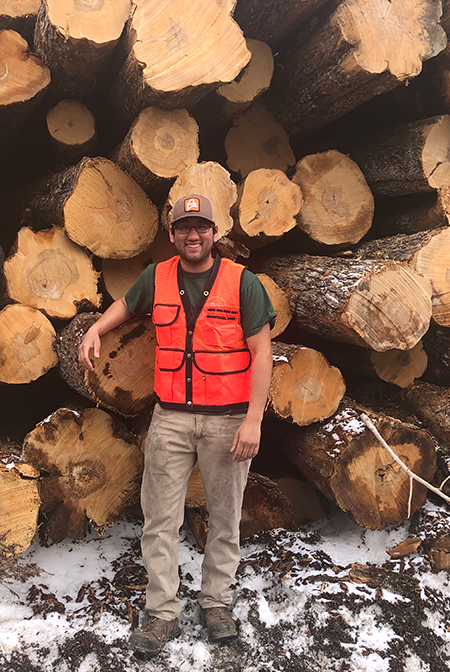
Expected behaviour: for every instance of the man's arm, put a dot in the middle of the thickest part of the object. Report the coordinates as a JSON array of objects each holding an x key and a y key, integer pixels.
[
  {"x": 247, "y": 438},
  {"x": 116, "y": 314}
]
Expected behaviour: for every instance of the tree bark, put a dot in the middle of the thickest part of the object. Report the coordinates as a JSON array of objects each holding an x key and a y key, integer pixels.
[
  {"x": 19, "y": 504},
  {"x": 304, "y": 387},
  {"x": 380, "y": 305},
  {"x": 72, "y": 128},
  {"x": 266, "y": 207},
  {"x": 208, "y": 179},
  {"x": 407, "y": 159},
  {"x": 218, "y": 108},
  {"x": 159, "y": 145},
  {"x": 76, "y": 39},
  {"x": 181, "y": 52},
  {"x": 280, "y": 303},
  {"x": 122, "y": 379},
  {"x": 91, "y": 468},
  {"x": 410, "y": 214},
  {"x": 338, "y": 205},
  {"x": 99, "y": 206},
  {"x": 24, "y": 79},
  {"x": 273, "y": 21},
  {"x": 428, "y": 252},
  {"x": 358, "y": 53},
  {"x": 49, "y": 272},
  {"x": 26, "y": 344},
  {"x": 431, "y": 404},
  {"x": 257, "y": 140},
  {"x": 347, "y": 463}
]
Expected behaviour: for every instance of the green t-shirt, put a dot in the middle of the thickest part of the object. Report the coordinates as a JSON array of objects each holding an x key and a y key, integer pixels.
[{"x": 256, "y": 306}]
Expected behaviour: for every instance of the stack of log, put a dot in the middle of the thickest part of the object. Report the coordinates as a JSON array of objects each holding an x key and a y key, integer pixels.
[{"x": 110, "y": 111}]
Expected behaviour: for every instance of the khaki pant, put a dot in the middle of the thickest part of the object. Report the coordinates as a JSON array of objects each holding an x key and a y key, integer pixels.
[{"x": 175, "y": 440}]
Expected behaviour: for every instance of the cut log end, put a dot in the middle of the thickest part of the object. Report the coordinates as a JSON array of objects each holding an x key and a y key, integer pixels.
[
  {"x": 71, "y": 123},
  {"x": 338, "y": 205},
  {"x": 108, "y": 212},
  {"x": 51, "y": 273},
  {"x": 94, "y": 469},
  {"x": 304, "y": 387},
  {"x": 22, "y": 76},
  {"x": 254, "y": 78},
  {"x": 99, "y": 21},
  {"x": 19, "y": 507},
  {"x": 400, "y": 367},
  {"x": 390, "y": 309},
  {"x": 268, "y": 203},
  {"x": 26, "y": 344}
]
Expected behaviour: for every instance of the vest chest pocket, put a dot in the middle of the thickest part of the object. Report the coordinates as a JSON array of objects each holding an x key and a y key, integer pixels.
[
  {"x": 166, "y": 320},
  {"x": 220, "y": 325}
]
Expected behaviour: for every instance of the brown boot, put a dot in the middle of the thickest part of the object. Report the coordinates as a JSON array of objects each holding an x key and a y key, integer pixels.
[
  {"x": 219, "y": 624},
  {"x": 153, "y": 634}
]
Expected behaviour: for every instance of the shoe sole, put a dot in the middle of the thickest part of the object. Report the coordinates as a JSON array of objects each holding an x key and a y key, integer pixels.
[{"x": 143, "y": 654}]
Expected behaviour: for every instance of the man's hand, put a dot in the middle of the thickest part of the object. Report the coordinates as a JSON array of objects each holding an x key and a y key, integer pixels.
[
  {"x": 246, "y": 441},
  {"x": 89, "y": 342}
]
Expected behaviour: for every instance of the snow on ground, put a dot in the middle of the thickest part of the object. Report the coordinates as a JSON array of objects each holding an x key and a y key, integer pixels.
[{"x": 299, "y": 598}]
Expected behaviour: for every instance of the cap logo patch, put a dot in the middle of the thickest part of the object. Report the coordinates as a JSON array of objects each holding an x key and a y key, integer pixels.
[{"x": 192, "y": 205}]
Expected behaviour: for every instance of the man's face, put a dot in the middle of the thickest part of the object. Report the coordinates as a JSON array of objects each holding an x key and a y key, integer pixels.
[{"x": 193, "y": 247}]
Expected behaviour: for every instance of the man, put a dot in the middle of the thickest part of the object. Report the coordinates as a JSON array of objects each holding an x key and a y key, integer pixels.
[{"x": 212, "y": 376}]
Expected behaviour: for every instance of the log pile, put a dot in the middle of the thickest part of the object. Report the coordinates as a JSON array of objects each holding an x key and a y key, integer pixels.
[{"x": 109, "y": 113}]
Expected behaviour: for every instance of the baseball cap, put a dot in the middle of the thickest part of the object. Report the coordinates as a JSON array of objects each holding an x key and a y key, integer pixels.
[{"x": 193, "y": 206}]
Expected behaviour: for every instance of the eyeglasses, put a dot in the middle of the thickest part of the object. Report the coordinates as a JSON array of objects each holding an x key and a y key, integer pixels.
[{"x": 184, "y": 228}]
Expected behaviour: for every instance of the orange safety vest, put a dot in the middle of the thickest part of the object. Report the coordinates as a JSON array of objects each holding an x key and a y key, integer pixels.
[{"x": 202, "y": 359}]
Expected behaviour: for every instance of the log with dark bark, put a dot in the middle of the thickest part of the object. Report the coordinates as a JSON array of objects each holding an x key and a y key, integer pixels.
[
  {"x": 99, "y": 206},
  {"x": 266, "y": 207},
  {"x": 428, "y": 252},
  {"x": 26, "y": 344},
  {"x": 431, "y": 404},
  {"x": 346, "y": 462},
  {"x": 24, "y": 80},
  {"x": 407, "y": 159},
  {"x": 122, "y": 379},
  {"x": 338, "y": 205},
  {"x": 91, "y": 469},
  {"x": 437, "y": 346},
  {"x": 410, "y": 214},
  {"x": 72, "y": 128},
  {"x": 280, "y": 303},
  {"x": 304, "y": 387},
  {"x": 159, "y": 145},
  {"x": 49, "y": 272},
  {"x": 75, "y": 39},
  {"x": 20, "y": 16},
  {"x": 264, "y": 507},
  {"x": 358, "y": 53},
  {"x": 181, "y": 52},
  {"x": 208, "y": 179},
  {"x": 380, "y": 305},
  {"x": 19, "y": 502},
  {"x": 257, "y": 140},
  {"x": 220, "y": 106},
  {"x": 272, "y": 21}
]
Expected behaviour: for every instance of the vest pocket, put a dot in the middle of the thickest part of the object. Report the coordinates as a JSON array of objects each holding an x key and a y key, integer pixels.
[
  {"x": 165, "y": 318},
  {"x": 223, "y": 363},
  {"x": 169, "y": 359},
  {"x": 220, "y": 330}
]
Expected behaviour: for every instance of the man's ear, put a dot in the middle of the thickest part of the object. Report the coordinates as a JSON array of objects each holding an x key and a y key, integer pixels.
[
  {"x": 215, "y": 234},
  {"x": 171, "y": 234}
]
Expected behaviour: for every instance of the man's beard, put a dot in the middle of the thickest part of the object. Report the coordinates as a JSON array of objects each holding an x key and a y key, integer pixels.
[{"x": 196, "y": 256}]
